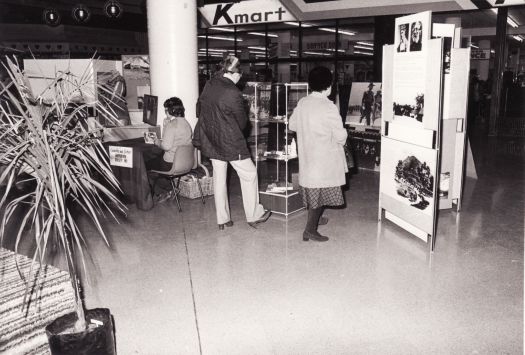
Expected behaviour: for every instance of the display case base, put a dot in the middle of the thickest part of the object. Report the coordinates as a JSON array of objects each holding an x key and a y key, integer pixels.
[{"x": 281, "y": 203}]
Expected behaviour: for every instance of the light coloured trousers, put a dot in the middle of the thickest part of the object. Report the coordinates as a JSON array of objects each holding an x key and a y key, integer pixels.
[{"x": 249, "y": 188}]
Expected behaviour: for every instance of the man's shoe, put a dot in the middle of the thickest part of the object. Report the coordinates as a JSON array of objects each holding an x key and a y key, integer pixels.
[
  {"x": 227, "y": 224},
  {"x": 323, "y": 221},
  {"x": 311, "y": 236},
  {"x": 263, "y": 219}
]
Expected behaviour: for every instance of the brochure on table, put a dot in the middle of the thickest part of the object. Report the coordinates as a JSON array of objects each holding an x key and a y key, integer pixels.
[{"x": 412, "y": 89}]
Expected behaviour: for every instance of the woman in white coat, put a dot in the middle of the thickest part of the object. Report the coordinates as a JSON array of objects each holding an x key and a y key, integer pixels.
[{"x": 320, "y": 139}]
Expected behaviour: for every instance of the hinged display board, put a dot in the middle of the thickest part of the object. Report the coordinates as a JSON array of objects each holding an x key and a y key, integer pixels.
[
  {"x": 456, "y": 65},
  {"x": 411, "y": 127}
]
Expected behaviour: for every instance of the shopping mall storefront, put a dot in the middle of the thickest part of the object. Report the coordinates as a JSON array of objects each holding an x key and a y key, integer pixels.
[{"x": 285, "y": 51}]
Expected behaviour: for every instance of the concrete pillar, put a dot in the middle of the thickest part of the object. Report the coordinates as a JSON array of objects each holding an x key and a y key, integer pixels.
[{"x": 172, "y": 37}]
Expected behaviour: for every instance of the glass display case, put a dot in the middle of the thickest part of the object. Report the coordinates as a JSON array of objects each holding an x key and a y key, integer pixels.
[{"x": 273, "y": 145}]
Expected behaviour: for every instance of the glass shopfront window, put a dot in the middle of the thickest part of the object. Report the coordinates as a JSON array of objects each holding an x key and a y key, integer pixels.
[{"x": 287, "y": 51}]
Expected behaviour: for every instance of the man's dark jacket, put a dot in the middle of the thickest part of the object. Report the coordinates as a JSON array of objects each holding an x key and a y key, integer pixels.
[{"x": 222, "y": 119}]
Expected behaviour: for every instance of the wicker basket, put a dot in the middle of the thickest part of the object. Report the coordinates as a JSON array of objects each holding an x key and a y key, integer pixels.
[{"x": 190, "y": 189}]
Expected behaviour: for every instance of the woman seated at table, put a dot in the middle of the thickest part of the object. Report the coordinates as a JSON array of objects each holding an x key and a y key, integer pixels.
[{"x": 176, "y": 132}]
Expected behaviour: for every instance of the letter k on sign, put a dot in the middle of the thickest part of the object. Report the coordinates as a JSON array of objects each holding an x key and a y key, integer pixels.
[{"x": 222, "y": 12}]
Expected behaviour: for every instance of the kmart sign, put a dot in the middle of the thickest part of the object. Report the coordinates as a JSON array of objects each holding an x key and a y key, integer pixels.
[{"x": 246, "y": 12}]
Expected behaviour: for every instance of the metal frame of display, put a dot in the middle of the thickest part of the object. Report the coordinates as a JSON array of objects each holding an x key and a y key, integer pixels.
[{"x": 285, "y": 156}]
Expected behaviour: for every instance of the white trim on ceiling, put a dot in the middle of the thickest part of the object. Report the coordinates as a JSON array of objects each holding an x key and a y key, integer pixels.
[{"x": 362, "y": 8}]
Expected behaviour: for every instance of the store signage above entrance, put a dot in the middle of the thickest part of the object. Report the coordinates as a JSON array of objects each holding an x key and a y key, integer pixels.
[
  {"x": 245, "y": 12},
  {"x": 479, "y": 54}
]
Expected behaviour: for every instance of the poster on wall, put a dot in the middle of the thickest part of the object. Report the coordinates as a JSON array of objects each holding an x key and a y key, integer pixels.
[
  {"x": 408, "y": 175},
  {"x": 111, "y": 92},
  {"x": 364, "y": 104},
  {"x": 137, "y": 78},
  {"x": 409, "y": 68}
]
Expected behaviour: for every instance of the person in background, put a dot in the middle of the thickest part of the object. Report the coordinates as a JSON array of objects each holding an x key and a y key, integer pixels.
[
  {"x": 378, "y": 105},
  {"x": 176, "y": 132},
  {"x": 367, "y": 102},
  {"x": 219, "y": 136},
  {"x": 322, "y": 163}
]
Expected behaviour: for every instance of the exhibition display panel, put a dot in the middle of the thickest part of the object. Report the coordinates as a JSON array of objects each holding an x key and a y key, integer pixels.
[
  {"x": 423, "y": 124},
  {"x": 411, "y": 129}
]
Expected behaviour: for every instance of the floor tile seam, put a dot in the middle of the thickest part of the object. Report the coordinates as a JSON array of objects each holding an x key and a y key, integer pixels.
[{"x": 192, "y": 290}]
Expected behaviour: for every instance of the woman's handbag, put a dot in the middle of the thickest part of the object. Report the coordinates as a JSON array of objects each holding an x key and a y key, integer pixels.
[{"x": 350, "y": 162}]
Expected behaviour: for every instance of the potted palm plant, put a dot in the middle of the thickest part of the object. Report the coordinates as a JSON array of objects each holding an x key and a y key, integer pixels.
[{"x": 46, "y": 144}]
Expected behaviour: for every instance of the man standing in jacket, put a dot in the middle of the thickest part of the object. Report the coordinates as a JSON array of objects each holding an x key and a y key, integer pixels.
[{"x": 219, "y": 136}]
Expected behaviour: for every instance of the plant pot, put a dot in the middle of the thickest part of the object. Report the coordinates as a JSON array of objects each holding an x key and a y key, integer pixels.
[{"x": 93, "y": 341}]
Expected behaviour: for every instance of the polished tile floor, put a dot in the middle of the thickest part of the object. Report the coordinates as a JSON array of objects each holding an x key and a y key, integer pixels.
[{"x": 177, "y": 285}]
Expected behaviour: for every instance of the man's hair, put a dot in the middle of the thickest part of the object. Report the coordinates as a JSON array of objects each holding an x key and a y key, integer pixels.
[
  {"x": 174, "y": 106},
  {"x": 231, "y": 64},
  {"x": 319, "y": 79}
]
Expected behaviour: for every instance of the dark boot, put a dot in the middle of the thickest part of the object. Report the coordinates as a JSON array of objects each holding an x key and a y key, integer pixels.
[{"x": 310, "y": 231}]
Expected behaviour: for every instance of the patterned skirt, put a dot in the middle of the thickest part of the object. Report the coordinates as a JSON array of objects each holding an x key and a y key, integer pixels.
[{"x": 323, "y": 196}]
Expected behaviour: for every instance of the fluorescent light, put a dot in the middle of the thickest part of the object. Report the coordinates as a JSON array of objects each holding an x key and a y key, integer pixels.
[
  {"x": 222, "y": 38},
  {"x": 262, "y": 34},
  {"x": 258, "y": 48},
  {"x": 366, "y": 53},
  {"x": 364, "y": 47},
  {"x": 318, "y": 53},
  {"x": 297, "y": 24},
  {"x": 518, "y": 38},
  {"x": 348, "y": 33},
  {"x": 224, "y": 29},
  {"x": 333, "y": 50},
  {"x": 214, "y": 50},
  {"x": 510, "y": 21},
  {"x": 473, "y": 46},
  {"x": 366, "y": 43}
]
